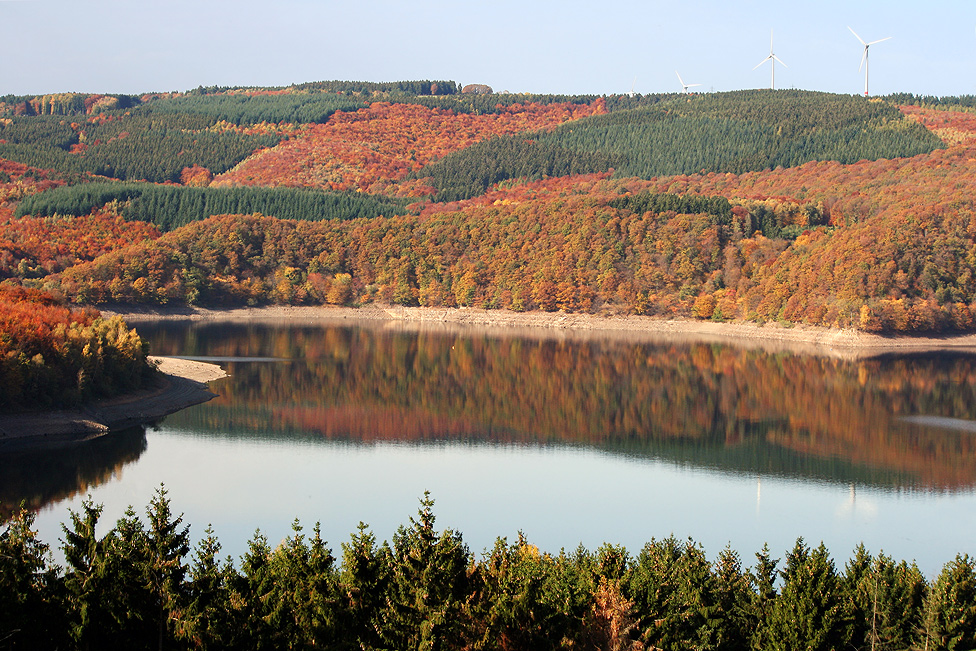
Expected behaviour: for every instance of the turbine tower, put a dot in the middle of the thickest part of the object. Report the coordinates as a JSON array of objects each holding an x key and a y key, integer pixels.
[
  {"x": 684, "y": 86},
  {"x": 864, "y": 57},
  {"x": 772, "y": 58}
]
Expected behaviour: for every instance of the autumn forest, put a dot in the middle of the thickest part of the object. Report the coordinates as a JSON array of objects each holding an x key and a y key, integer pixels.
[
  {"x": 786, "y": 206},
  {"x": 789, "y": 206}
]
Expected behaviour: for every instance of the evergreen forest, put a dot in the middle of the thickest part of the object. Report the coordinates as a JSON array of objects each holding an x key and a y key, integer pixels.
[{"x": 142, "y": 585}]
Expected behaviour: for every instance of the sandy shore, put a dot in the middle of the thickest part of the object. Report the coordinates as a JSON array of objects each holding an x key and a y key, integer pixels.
[
  {"x": 182, "y": 383},
  {"x": 771, "y": 336}
]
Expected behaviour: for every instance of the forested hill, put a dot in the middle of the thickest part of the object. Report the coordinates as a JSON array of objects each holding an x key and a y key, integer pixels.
[
  {"x": 794, "y": 206},
  {"x": 722, "y": 132}
]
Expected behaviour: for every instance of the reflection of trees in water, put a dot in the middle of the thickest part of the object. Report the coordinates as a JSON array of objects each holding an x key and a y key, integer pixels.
[
  {"x": 699, "y": 403},
  {"x": 39, "y": 477}
]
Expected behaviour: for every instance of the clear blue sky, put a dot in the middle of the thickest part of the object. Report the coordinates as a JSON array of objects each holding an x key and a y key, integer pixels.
[{"x": 544, "y": 46}]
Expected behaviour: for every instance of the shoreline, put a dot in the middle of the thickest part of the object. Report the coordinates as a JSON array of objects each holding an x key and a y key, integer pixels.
[
  {"x": 181, "y": 384},
  {"x": 769, "y": 336}
]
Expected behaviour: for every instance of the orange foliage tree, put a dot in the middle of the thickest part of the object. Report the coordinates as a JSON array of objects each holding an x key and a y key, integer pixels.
[
  {"x": 372, "y": 148},
  {"x": 51, "y": 355},
  {"x": 33, "y": 247}
]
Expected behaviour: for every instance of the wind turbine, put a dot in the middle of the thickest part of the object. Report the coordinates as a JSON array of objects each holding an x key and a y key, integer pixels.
[
  {"x": 684, "y": 86},
  {"x": 772, "y": 58},
  {"x": 864, "y": 58}
]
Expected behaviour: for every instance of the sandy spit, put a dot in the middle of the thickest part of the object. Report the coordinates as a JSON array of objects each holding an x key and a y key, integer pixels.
[
  {"x": 770, "y": 336},
  {"x": 181, "y": 383}
]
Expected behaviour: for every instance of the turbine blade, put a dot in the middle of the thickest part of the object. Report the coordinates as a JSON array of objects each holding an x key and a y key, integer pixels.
[
  {"x": 780, "y": 61},
  {"x": 879, "y": 40},
  {"x": 864, "y": 57},
  {"x": 690, "y": 85},
  {"x": 679, "y": 78},
  {"x": 856, "y": 36},
  {"x": 763, "y": 61}
]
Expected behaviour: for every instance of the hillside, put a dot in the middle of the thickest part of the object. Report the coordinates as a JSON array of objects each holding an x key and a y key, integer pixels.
[{"x": 764, "y": 205}]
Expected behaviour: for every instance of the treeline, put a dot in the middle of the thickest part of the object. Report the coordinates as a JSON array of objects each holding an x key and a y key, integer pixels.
[
  {"x": 278, "y": 101},
  {"x": 422, "y": 87},
  {"x": 478, "y": 104},
  {"x": 745, "y": 131},
  {"x": 471, "y": 171},
  {"x": 624, "y": 102},
  {"x": 172, "y": 206},
  {"x": 53, "y": 356},
  {"x": 140, "y": 145},
  {"x": 64, "y": 104},
  {"x": 933, "y": 101},
  {"x": 245, "y": 109},
  {"x": 138, "y": 587}
]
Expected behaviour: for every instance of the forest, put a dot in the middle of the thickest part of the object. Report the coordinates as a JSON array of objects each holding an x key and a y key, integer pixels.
[
  {"x": 54, "y": 356},
  {"x": 136, "y": 145},
  {"x": 172, "y": 206},
  {"x": 137, "y": 586},
  {"x": 787, "y": 206}
]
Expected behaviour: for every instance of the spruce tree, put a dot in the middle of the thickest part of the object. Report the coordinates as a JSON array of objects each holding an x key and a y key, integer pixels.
[
  {"x": 166, "y": 547},
  {"x": 207, "y": 619},
  {"x": 428, "y": 586},
  {"x": 89, "y": 613},
  {"x": 365, "y": 578},
  {"x": 885, "y": 599},
  {"x": 950, "y": 610},
  {"x": 734, "y": 619},
  {"x": 30, "y": 595},
  {"x": 809, "y": 612},
  {"x": 251, "y": 593},
  {"x": 303, "y": 606}
]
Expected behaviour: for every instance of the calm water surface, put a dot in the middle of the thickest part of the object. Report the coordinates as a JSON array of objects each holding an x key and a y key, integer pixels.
[{"x": 569, "y": 439}]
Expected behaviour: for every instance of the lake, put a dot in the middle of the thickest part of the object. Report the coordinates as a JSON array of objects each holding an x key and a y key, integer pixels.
[{"x": 571, "y": 438}]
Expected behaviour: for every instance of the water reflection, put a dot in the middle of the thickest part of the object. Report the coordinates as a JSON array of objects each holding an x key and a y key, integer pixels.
[
  {"x": 879, "y": 421},
  {"x": 568, "y": 438},
  {"x": 36, "y": 478}
]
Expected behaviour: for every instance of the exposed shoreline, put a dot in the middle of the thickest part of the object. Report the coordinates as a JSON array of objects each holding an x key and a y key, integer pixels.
[
  {"x": 770, "y": 336},
  {"x": 181, "y": 384}
]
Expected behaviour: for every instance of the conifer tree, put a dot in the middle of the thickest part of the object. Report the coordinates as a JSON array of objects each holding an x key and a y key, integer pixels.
[
  {"x": 428, "y": 586},
  {"x": 128, "y": 594},
  {"x": 166, "y": 548},
  {"x": 763, "y": 580},
  {"x": 365, "y": 579},
  {"x": 734, "y": 621},
  {"x": 206, "y": 621},
  {"x": 950, "y": 610},
  {"x": 90, "y": 618},
  {"x": 809, "y": 612},
  {"x": 303, "y": 606},
  {"x": 885, "y": 599},
  {"x": 30, "y": 612},
  {"x": 251, "y": 593}
]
